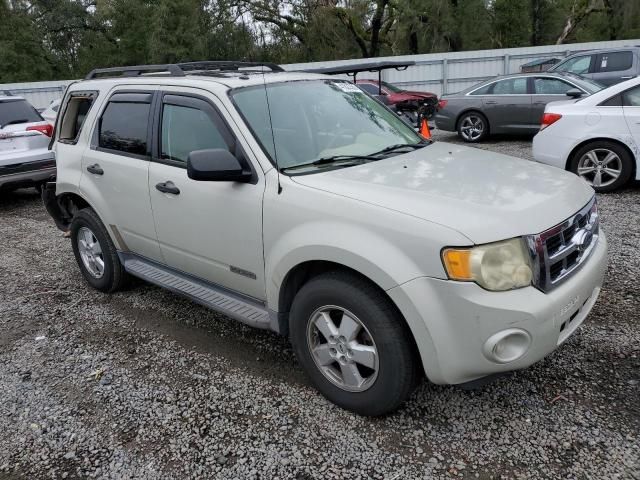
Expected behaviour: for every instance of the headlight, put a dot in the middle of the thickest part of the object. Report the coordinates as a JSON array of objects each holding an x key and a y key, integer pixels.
[{"x": 495, "y": 266}]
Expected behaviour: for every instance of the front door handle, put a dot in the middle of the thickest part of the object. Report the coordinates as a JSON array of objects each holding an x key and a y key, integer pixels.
[
  {"x": 168, "y": 187},
  {"x": 491, "y": 102},
  {"x": 95, "y": 169}
]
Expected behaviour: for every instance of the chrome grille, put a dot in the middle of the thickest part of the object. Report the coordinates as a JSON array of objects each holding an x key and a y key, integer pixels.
[{"x": 559, "y": 252}]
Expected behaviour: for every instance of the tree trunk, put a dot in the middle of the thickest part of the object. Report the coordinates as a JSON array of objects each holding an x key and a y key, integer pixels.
[{"x": 580, "y": 10}]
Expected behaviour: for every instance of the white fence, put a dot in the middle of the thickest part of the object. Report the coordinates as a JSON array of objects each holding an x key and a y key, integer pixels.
[
  {"x": 436, "y": 72},
  {"x": 455, "y": 71}
]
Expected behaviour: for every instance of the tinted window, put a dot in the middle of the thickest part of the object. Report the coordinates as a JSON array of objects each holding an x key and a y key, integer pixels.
[
  {"x": 615, "y": 61},
  {"x": 185, "y": 129},
  {"x": 512, "y": 86},
  {"x": 632, "y": 97},
  {"x": 123, "y": 127},
  {"x": 369, "y": 88},
  {"x": 17, "y": 111},
  {"x": 577, "y": 65},
  {"x": 551, "y": 86},
  {"x": 615, "y": 101}
]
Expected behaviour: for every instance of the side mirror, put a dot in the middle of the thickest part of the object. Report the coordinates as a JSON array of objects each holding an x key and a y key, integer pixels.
[
  {"x": 216, "y": 165},
  {"x": 574, "y": 93}
]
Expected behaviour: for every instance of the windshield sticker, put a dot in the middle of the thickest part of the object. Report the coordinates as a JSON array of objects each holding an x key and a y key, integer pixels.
[{"x": 348, "y": 87}]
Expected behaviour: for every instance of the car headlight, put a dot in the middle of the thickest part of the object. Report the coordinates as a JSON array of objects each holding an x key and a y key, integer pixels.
[{"x": 495, "y": 266}]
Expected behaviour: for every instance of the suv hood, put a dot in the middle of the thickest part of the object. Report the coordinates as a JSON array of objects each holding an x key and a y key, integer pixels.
[{"x": 483, "y": 195}]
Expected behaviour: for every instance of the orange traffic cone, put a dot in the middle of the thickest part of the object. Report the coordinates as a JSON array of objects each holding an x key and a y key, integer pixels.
[{"x": 424, "y": 129}]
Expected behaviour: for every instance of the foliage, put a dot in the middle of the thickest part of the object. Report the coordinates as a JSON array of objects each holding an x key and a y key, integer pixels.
[{"x": 52, "y": 39}]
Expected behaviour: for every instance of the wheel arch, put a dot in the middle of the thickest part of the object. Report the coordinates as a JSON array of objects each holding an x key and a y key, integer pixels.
[
  {"x": 303, "y": 272},
  {"x": 617, "y": 141}
]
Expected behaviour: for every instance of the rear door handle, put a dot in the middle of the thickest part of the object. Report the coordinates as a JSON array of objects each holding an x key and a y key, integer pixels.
[
  {"x": 491, "y": 102},
  {"x": 95, "y": 169},
  {"x": 168, "y": 187},
  {"x": 627, "y": 77}
]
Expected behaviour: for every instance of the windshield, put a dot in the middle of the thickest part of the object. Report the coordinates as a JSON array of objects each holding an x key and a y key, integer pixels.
[
  {"x": 590, "y": 85},
  {"x": 319, "y": 119}
]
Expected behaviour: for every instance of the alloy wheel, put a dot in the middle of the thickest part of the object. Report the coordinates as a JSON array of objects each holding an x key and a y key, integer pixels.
[
  {"x": 342, "y": 348},
  {"x": 90, "y": 252},
  {"x": 600, "y": 167},
  {"x": 472, "y": 127}
]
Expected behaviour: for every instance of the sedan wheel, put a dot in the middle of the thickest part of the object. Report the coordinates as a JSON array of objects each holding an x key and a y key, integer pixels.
[
  {"x": 472, "y": 127},
  {"x": 600, "y": 167},
  {"x": 603, "y": 164}
]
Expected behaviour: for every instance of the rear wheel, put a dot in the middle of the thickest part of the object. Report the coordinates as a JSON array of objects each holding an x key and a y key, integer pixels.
[
  {"x": 95, "y": 253},
  {"x": 473, "y": 127},
  {"x": 353, "y": 344},
  {"x": 605, "y": 165}
]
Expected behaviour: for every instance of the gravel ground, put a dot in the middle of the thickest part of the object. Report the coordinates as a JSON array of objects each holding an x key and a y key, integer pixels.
[{"x": 145, "y": 384}]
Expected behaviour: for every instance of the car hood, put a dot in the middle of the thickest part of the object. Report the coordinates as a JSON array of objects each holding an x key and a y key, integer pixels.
[{"x": 485, "y": 196}]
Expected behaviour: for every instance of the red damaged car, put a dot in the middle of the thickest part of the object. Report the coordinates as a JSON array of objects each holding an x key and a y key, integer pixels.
[{"x": 402, "y": 99}]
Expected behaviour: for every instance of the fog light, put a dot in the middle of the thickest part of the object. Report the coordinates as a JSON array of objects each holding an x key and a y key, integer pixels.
[{"x": 507, "y": 346}]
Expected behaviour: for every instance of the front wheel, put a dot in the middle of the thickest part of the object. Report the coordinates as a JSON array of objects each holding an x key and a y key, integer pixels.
[
  {"x": 604, "y": 165},
  {"x": 473, "y": 127},
  {"x": 353, "y": 344}
]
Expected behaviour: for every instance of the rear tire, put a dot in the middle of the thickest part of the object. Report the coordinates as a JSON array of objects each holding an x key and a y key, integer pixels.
[
  {"x": 604, "y": 165},
  {"x": 95, "y": 253},
  {"x": 353, "y": 344},
  {"x": 473, "y": 127}
]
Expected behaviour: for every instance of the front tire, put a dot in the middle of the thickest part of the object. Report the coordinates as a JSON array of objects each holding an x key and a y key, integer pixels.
[
  {"x": 604, "y": 165},
  {"x": 353, "y": 344},
  {"x": 95, "y": 253},
  {"x": 473, "y": 127}
]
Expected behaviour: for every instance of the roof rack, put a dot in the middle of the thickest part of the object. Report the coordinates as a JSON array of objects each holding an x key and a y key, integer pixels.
[{"x": 178, "y": 69}]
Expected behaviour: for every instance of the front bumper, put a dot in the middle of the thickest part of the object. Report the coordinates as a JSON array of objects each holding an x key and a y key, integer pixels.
[{"x": 459, "y": 319}]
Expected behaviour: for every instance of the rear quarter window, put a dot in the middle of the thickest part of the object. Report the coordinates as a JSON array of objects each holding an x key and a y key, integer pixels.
[
  {"x": 13, "y": 112},
  {"x": 615, "y": 61},
  {"x": 74, "y": 115}
]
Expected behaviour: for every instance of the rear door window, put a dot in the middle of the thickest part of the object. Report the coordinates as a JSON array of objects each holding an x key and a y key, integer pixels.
[
  {"x": 511, "y": 86},
  {"x": 615, "y": 61},
  {"x": 124, "y": 125},
  {"x": 16, "y": 111}
]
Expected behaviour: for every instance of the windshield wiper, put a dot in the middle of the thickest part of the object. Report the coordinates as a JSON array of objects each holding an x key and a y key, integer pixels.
[
  {"x": 400, "y": 146},
  {"x": 355, "y": 159},
  {"x": 347, "y": 159}
]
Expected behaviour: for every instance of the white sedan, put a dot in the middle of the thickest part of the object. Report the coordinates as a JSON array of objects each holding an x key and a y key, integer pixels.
[{"x": 596, "y": 137}]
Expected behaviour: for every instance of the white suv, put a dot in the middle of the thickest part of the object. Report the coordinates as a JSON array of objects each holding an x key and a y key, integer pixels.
[{"x": 382, "y": 255}]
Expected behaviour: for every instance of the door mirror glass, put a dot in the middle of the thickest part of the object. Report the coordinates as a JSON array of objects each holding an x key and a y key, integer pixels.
[
  {"x": 216, "y": 165},
  {"x": 574, "y": 93}
]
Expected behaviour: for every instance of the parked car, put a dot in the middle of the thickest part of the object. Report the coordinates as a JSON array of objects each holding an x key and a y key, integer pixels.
[
  {"x": 596, "y": 137},
  {"x": 511, "y": 104},
  {"x": 25, "y": 159},
  {"x": 294, "y": 202},
  {"x": 607, "y": 67},
  {"x": 409, "y": 100},
  {"x": 51, "y": 112}
]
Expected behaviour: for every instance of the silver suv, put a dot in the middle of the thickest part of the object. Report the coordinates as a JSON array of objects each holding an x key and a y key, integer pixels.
[{"x": 295, "y": 202}]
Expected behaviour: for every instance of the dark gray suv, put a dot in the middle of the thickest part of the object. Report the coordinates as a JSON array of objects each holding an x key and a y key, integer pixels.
[{"x": 606, "y": 67}]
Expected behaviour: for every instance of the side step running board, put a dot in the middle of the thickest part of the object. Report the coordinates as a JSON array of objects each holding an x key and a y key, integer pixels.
[{"x": 212, "y": 296}]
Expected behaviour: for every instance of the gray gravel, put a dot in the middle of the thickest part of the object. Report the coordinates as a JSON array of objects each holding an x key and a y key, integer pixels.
[{"x": 145, "y": 384}]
